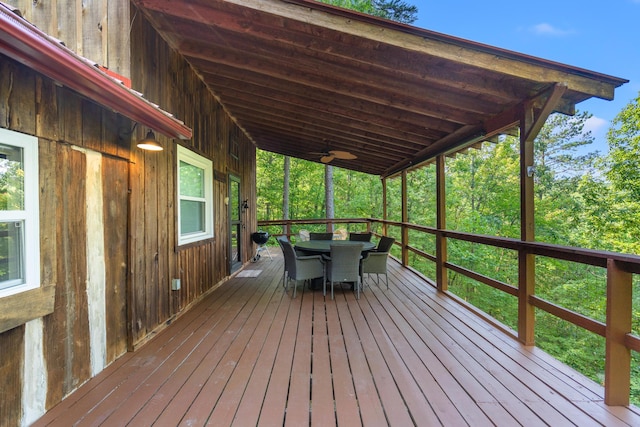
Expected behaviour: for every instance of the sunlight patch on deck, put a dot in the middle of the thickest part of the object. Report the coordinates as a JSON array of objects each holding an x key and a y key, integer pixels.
[{"x": 249, "y": 273}]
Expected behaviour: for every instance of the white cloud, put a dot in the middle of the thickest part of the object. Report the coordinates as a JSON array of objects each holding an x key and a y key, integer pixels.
[
  {"x": 546, "y": 29},
  {"x": 596, "y": 125}
]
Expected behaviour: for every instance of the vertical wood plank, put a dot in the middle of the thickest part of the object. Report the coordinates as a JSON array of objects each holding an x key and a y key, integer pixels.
[
  {"x": 17, "y": 97},
  {"x": 118, "y": 53},
  {"x": 10, "y": 377},
  {"x": 92, "y": 129},
  {"x": 78, "y": 357},
  {"x": 135, "y": 280},
  {"x": 115, "y": 193},
  {"x": 48, "y": 240},
  {"x": 47, "y": 123}
]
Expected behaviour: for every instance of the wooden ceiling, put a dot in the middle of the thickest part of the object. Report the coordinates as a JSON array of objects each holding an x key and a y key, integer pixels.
[{"x": 300, "y": 77}]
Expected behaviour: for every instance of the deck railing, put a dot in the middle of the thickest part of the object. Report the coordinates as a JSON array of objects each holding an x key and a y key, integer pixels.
[{"x": 620, "y": 268}]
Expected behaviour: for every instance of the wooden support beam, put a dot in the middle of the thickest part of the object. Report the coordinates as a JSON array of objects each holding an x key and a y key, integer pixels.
[
  {"x": 617, "y": 379},
  {"x": 533, "y": 116},
  {"x": 18, "y": 309},
  {"x": 441, "y": 224},
  {"x": 405, "y": 219},
  {"x": 526, "y": 261},
  {"x": 384, "y": 206}
]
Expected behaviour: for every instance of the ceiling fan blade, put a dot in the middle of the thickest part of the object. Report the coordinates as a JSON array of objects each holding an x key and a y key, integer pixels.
[
  {"x": 343, "y": 155},
  {"x": 326, "y": 159}
]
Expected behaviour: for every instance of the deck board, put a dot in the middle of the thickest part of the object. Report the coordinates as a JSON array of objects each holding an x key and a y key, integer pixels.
[{"x": 250, "y": 354}]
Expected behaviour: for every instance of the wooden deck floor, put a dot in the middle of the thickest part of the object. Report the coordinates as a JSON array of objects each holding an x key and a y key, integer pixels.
[{"x": 249, "y": 354}]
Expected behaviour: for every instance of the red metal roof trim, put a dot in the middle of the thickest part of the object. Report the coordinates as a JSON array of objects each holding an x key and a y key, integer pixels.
[{"x": 28, "y": 45}]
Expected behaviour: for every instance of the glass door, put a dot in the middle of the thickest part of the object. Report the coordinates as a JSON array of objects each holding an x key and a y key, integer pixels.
[{"x": 235, "y": 224}]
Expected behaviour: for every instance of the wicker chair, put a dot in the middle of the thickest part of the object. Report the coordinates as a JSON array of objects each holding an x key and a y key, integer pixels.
[
  {"x": 385, "y": 244},
  {"x": 360, "y": 237},
  {"x": 320, "y": 236},
  {"x": 344, "y": 266},
  {"x": 376, "y": 261},
  {"x": 299, "y": 267}
]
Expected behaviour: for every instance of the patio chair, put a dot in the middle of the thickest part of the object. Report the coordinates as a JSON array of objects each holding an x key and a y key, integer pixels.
[
  {"x": 376, "y": 261},
  {"x": 344, "y": 266},
  {"x": 281, "y": 241},
  {"x": 298, "y": 267},
  {"x": 320, "y": 236},
  {"x": 384, "y": 244},
  {"x": 360, "y": 237}
]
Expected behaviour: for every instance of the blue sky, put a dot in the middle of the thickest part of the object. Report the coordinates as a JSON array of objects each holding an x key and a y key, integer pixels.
[{"x": 598, "y": 36}]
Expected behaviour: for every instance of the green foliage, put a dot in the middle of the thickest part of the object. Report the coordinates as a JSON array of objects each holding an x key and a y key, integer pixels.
[
  {"x": 11, "y": 185},
  {"x": 582, "y": 199},
  {"x": 624, "y": 151},
  {"x": 396, "y": 10},
  {"x": 357, "y": 195}
]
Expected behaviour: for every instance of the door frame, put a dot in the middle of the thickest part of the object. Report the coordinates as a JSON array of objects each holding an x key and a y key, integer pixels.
[{"x": 236, "y": 226}]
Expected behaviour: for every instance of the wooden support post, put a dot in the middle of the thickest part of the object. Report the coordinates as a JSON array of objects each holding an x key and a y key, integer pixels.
[
  {"x": 441, "y": 224},
  {"x": 405, "y": 219},
  {"x": 617, "y": 380},
  {"x": 384, "y": 206},
  {"x": 526, "y": 261},
  {"x": 534, "y": 115}
]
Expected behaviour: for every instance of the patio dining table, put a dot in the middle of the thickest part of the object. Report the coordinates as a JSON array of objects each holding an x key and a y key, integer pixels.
[
  {"x": 319, "y": 247},
  {"x": 324, "y": 246}
]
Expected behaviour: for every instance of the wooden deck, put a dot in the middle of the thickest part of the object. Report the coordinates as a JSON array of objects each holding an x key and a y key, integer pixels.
[{"x": 249, "y": 354}]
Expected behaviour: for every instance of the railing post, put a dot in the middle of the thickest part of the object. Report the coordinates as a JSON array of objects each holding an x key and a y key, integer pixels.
[
  {"x": 617, "y": 380},
  {"x": 405, "y": 219},
  {"x": 441, "y": 224}
]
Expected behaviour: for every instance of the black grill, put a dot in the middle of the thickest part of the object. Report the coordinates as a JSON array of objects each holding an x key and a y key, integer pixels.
[{"x": 260, "y": 237}]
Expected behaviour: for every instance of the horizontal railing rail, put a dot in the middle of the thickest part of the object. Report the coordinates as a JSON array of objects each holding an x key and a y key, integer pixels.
[{"x": 620, "y": 267}]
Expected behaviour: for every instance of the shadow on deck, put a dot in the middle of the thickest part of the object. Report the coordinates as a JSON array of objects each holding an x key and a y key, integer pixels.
[{"x": 248, "y": 354}]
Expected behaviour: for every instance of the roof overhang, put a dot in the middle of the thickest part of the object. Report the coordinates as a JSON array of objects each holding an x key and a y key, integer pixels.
[
  {"x": 30, "y": 46},
  {"x": 300, "y": 77}
]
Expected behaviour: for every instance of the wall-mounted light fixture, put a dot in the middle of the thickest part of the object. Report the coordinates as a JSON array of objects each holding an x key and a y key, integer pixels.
[
  {"x": 531, "y": 170},
  {"x": 245, "y": 204},
  {"x": 149, "y": 143}
]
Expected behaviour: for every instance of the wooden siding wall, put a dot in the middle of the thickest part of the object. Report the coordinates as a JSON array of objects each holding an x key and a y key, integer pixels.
[
  {"x": 95, "y": 29},
  {"x": 68, "y": 129},
  {"x": 166, "y": 79},
  {"x": 140, "y": 250}
]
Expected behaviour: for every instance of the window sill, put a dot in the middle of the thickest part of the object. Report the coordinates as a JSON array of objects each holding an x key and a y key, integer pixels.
[{"x": 18, "y": 309}]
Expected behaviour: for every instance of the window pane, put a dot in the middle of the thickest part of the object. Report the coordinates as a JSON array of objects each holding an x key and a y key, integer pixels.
[
  {"x": 235, "y": 200},
  {"x": 191, "y": 217},
  {"x": 191, "y": 180},
  {"x": 11, "y": 178},
  {"x": 11, "y": 270}
]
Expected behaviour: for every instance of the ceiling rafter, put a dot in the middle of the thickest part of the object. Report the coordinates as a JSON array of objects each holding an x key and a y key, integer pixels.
[{"x": 299, "y": 75}]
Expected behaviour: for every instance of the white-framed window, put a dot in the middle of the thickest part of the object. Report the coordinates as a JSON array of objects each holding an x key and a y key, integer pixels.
[
  {"x": 19, "y": 213},
  {"x": 195, "y": 197}
]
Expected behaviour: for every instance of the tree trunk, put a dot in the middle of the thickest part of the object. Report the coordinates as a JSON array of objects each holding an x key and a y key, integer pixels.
[{"x": 328, "y": 193}]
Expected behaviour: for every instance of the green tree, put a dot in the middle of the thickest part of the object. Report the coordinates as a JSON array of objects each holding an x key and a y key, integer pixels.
[
  {"x": 396, "y": 10},
  {"x": 624, "y": 150}
]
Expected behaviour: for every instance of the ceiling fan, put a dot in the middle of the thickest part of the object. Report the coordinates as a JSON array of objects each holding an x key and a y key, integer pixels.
[{"x": 329, "y": 155}]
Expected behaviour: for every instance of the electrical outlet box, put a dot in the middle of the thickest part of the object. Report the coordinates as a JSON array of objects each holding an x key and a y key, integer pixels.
[{"x": 175, "y": 284}]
